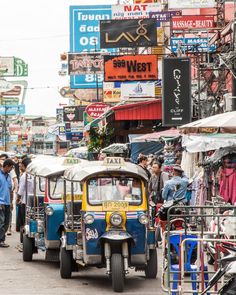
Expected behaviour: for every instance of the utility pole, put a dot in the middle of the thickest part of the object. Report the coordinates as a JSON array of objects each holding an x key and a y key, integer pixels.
[{"x": 5, "y": 128}]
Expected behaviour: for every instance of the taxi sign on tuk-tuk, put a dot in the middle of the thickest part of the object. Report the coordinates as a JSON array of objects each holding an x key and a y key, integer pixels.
[
  {"x": 114, "y": 161},
  {"x": 71, "y": 161}
]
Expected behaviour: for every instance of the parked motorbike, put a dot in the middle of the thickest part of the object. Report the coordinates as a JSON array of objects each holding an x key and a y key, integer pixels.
[
  {"x": 213, "y": 248},
  {"x": 228, "y": 268}
]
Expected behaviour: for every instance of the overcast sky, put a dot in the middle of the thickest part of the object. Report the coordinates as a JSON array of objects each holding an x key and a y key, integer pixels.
[{"x": 37, "y": 32}]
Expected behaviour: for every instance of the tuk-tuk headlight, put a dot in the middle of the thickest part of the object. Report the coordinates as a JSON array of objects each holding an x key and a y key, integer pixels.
[
  {"x": 88, "y": 218},
  {"x": 116, "y": 219},
  {"x": 143, "y": 219},
  {"x": 49, "y": 211}
]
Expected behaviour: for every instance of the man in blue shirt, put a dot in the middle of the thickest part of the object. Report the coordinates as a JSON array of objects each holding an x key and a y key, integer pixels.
[
  {"x": 5, "y": 199},
  {"x": 175, "y": 187}
]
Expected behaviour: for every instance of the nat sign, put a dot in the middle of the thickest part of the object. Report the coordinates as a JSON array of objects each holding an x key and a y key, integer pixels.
[
  {"x": 176, "y": 100},
  {"x": 128, "y": 33},
  {"x": 130, "y": 68},
  {"x": 186, "y": 22}
]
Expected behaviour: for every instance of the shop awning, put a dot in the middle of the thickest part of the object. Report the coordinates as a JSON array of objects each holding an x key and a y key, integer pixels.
[
  {"x": 145, "y": 110},
  {"x": 155, "y": 136}
]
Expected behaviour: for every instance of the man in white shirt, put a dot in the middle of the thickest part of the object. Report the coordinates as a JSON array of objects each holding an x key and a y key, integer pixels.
[{"x": 23, "y": 191}]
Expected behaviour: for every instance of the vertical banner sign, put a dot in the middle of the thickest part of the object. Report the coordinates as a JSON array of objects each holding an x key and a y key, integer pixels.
[
  {"x": 85, "y": 37},
  {"x": 176, "y": 100},
  {"x": 128, "y": 33}
]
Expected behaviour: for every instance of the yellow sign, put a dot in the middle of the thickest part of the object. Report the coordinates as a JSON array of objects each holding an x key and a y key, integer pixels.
[
  {"x": 113, "y": 161},
  {"x": 115, "y": 206},
  {"x": 71, "y": 161}
]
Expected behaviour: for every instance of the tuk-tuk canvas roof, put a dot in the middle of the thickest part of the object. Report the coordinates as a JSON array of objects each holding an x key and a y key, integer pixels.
[
  {"x": 80, "y": 172},
  {"x": 48, "y": 165}
]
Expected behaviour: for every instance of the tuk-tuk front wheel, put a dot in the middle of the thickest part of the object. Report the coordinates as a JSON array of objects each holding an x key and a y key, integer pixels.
[
  {"x": 117, "y": 272},
  {"x": 65, "y": 263},
  {"x": 27, "y": 248},
  {"x": 151, "y": 267}
]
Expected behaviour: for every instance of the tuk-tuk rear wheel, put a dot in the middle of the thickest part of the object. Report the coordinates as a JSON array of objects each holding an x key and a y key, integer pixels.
[
  {"x": 27, "y": 248},
  {"x": 151, "y": 267},
  {"x": 117, "y": 272},
  {"x": 65, "y": 263}
]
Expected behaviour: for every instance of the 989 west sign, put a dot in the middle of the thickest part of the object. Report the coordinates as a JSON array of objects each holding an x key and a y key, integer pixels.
[
  {"x": 128, "y": 33},
  {"x": 130, "y": 68}
]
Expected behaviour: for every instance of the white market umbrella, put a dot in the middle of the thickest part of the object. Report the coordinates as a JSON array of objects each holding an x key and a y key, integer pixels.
[{"x": 222, "y": 123}]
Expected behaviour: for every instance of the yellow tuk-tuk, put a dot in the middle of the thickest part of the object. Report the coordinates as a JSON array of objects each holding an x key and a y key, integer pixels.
[{"x": 109, "y": 226}]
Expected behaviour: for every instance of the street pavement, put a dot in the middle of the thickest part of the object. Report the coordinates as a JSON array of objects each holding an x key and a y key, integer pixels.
[{"x": 41, "y": 277}]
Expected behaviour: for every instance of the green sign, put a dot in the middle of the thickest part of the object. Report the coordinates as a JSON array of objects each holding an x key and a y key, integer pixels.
[{"x": 20, "y": 68}]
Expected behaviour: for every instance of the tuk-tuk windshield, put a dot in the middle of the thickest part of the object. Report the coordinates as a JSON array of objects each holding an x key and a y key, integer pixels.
[
  {"x": 114, "y": 189},
  {"x": 56, "y": 188}
]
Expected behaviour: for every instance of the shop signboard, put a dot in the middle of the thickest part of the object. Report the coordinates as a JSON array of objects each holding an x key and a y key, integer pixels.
[
  {"x": 164, "y": 16},
  {"x": 134, "y": 11},
  {"x": 95, "y": 110},
  {"x": 176, "y": 95},
  {"x": 181, "y": 4},
  {"x": 5, "y": 85},
  {"x": 17, "y": 93},
  {"x": 130, "y": 67},
  {"x": 85, "y": 63},
  {"x": 192, "y": 44},
  {"x": 74, "y": 136},
  {"x": 137, "y": 91},
  {"x": 12, "y": 109},
  {"x": 59, "y": 115},
  {"x": 73, "y": 113},
  {"x": 20, "y": 68},
  {"x": 9, "y": 100},
  {"x": 128, "y": 33},
  {"x": 86, "y": 96},
  {"x": 85, "y": 37},
  {"x": 111, "y": 95},
  {"x": 187, "y": 22},
  {"x": 61, "y": 130},
  {"x": 146, "y": 1},
  {"x": 7, "y": 66}
]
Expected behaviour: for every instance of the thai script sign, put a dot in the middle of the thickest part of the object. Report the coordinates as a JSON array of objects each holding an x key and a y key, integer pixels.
[
  {"x": 176, "y": 99},
  {"x": 134, "y": 11},
  {"x": 128, "y": 33},
  {"x": 85, "y": 63},
  {"x": 85, "y": 37},
  {"x": 192, "y": 22},
  {"x": 130, "y": 67}
]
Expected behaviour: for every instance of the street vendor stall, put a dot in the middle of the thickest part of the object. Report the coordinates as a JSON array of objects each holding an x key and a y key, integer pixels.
[{"x": 205, "y": 141}]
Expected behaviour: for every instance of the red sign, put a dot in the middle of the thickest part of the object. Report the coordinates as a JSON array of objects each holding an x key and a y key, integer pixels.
[
  {"x": 95, "y": 110},
  {"x": 186, "y": 22},
  {"x": 130, "y": 67}
]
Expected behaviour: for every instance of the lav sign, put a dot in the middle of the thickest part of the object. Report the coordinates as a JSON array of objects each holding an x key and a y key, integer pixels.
[{"x": 113, "y": 161}]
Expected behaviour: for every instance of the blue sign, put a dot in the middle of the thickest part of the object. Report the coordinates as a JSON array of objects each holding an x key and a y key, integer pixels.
[
  {"x": 191, "y": 45},
  {"x": 86, "y": 81},
  {"x": 85, "y": 37},
  {"x": 74, "y": 136},
  {"x": 12, "y": 109}
]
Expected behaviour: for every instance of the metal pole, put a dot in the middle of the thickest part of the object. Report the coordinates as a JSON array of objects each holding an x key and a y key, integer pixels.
[
  {"x": 198, "y": 85},
  {"x": 234, "y": 64},
  {"x": 5, "y": 129}
]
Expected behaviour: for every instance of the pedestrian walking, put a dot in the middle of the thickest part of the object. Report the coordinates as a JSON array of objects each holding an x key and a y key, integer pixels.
[
  {"x": 156, "y": 183},
  {"x": 143, "y": 164},
  {"x": 5, "y": 199},
  {"x": 175, "y": 187},
  {"x": 21, "y": 194}
]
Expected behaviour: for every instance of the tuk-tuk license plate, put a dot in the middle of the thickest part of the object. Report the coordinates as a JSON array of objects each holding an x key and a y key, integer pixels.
[{"x": 115, "y": 205}]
